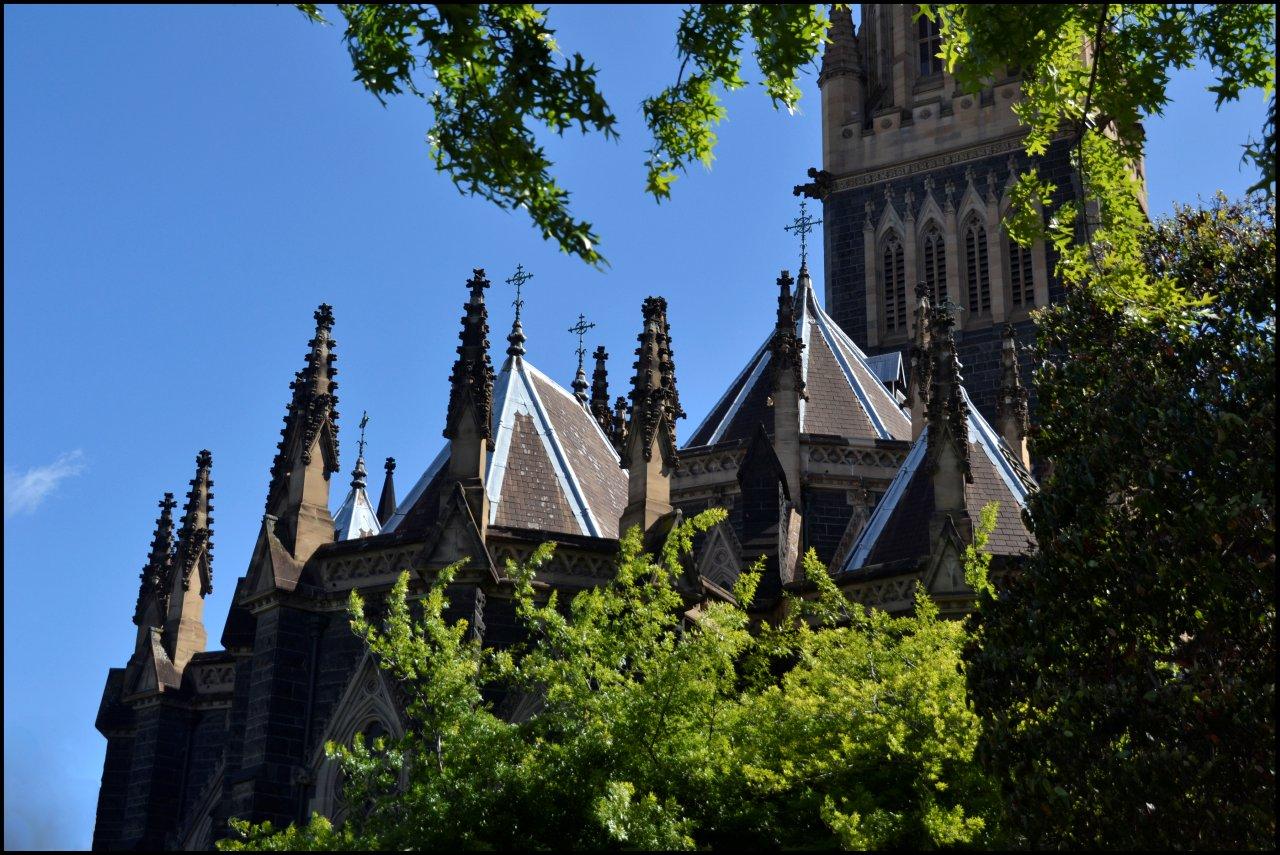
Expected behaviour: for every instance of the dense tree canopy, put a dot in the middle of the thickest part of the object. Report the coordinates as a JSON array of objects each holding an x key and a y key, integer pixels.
[
  {"x": 840, "y": 727},
  {"x": 1126, "y": 680}
]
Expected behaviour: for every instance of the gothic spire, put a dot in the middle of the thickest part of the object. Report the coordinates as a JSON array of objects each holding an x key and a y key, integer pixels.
[
  {"x": 157, "y": 573},
  {"x": 312, "y": 414},
  {"x": 600, "y": 391},
  {"x": 355, "y": 518},
  {"x": 387, "y": 501},
  {"x": 787, "y": 388},
  {"x": 184, "y": 634},
  {"x": 471, "y": 384},
  {"x": 1011, "y": 400},
  {"x": 655, "y": 402},
  {"x": 655, "y": 406}
]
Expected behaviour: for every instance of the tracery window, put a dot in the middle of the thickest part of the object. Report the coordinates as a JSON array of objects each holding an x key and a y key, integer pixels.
[
  {"x": 893, "y": 276},
  {"x": 1020, "y": 282},
  {"x": 928, "y": 46},
  {"x": 933, "y": 255},
  {"x": 977, "y": 272}
]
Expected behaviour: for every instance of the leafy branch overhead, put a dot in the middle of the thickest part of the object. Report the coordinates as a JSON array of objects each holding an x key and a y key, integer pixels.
[{"x": 493, "y": 75}]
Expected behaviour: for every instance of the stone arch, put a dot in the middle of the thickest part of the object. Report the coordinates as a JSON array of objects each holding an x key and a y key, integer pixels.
[
  {"x": 932, "y": 258},
  {"x": 977, "y": 264},
  {"x": 892, "y": 270}
]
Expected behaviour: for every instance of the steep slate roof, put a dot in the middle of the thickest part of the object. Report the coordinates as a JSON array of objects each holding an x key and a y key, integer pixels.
[
  {"x": 846, "y": 397},
  {"x": 899, "y": 527},
  {"x": 551, "y": 468}
]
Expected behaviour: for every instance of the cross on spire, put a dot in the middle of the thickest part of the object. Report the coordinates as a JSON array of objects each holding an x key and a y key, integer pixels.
[
  {"x": 518, "y": 279},
  {"x": 580, "y": 329},
  {"x": 364, "y": 420},
  {"x": 802, "y": 225}
]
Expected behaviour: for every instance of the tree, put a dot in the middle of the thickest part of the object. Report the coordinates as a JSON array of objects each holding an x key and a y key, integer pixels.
[
  {"x": 491, "y": 75},
  {"x": 841, "y": 726},
  {"x": 1126, "y": 679}
]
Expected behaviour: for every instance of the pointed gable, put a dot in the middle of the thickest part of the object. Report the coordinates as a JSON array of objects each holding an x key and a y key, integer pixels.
[{"x": 845, "y": 395}]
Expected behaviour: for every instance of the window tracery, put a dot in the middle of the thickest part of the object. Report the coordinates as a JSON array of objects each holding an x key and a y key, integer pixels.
[
  {"x": 893, "y": 276},
  {"x": 977, "y": 268},
  {"x": 1021, "y": 285},
  {"x": 933, "y": 256}
]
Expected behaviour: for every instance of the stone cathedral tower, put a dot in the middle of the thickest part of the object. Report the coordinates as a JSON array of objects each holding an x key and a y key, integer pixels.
[{"x": 914, "y": 181}]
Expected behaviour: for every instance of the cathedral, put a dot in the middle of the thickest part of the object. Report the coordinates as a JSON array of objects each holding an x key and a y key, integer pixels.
[{"x": 883, "y": 409}]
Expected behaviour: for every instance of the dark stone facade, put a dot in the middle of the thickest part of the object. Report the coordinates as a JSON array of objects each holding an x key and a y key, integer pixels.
[{"x": 979, "y": 348}]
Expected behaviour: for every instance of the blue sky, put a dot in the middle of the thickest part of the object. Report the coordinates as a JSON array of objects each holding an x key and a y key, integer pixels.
[{"x": 184, "y": 185}]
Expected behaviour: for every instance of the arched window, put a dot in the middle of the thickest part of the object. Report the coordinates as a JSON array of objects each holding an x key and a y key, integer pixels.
[
  {"x": 977, "y": 274},
  {"x": 893, "y": 275},
  {"x": 1021, "y": 286},
  {"x": 933, "y": 256},
  {"x": 928, "y": 46}
]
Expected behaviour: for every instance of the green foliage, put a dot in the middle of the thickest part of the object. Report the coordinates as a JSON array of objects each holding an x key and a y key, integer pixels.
[
  {"x": 1126, "y": 679},
  {"x": 665, "y": 729},
  {"x": 1094, "y": 72},
  {"x": 492, "y": 74}
]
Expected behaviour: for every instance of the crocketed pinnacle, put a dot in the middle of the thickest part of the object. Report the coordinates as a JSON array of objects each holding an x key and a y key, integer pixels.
[
  {"x": 842, "y": 55},
  {"x": 600, "y": 390},
  {"x": 195, "y": 538},
  {"x": 312, "y": 412},
  {"x": 947, "y": 409},
  {"x": 919, "y": 359},
  {"x": 1011, "y": 404},
  {"x": 655, "y": 401},
  {"x": 785, "y": 346},
  {"x": 157, "y": 574},
  {"x": 471, "y": 383}
]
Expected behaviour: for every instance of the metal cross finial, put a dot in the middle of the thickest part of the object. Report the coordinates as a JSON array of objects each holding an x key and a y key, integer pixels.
[
  {"x": 802, "y": 225},
  {"x": 518, "y": 279},
  {"x": 580, "y": 329},
  {"x": 364, "y": 420}
]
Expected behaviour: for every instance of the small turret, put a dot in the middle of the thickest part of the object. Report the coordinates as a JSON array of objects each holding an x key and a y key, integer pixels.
[
  {"x": 308, "y": 450},
  {"x": 1011, "y": 400},
  {"x": 920, "y": 363},
  {"x": 192, "y": 577},
  {"x": 469, "y": 426},
  {"x": 387, "y": 501},
  {"x": 655, "y": 406}
]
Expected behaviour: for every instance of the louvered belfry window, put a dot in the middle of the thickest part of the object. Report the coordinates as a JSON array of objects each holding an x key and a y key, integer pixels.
[
  {"x": 1020, "y": 282},
  {"x": 894, "y": 276},
  {"x": 977, "y": 273},
  {"x": 934, "y": 253}
]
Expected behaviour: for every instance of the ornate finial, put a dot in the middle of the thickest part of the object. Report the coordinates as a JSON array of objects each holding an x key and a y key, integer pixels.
[
  {"x": 359, "y": 472},
  {"x": 801, "y": 226},
  {"x": 364, "y": 421},
  {"x": 1011, "y": 403},
  {"x": 390, "y": 465},
  {"x": 600, "y": 391},
  {"x": 580, "y": 380},
  {"x": 928, "y": 184},
  {"x": 516, "y": 338},
  {"x": 654, "y": 399},
  {"x": 949, "y": 190},
  {"x": 968, "y": 175}
]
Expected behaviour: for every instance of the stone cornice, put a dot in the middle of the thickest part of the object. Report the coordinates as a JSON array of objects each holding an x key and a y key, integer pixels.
[{"x": 852, "y": 181}]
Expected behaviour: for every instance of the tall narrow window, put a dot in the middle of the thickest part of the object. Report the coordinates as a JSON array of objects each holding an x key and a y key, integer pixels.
[
  {"x": 893, "y": 275},
  {"x": 928, "y": 46},
  {"x": 933, "y": 252},
  {"x": 1020, "y": 282},
  {"x": 977, "y": 275}
]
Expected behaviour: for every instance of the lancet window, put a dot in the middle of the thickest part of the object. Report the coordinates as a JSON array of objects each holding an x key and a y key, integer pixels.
[
  {"x": 977, "y": 271},
  {"x": 893, "y": 276},
  {"x": 928, "y": 46},
  {"x": 1020, "y": 282},
  {"x": 933, "y": 256}
]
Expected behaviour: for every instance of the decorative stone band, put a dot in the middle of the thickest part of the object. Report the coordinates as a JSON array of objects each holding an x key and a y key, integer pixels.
[{"x": 928, "y": 164}]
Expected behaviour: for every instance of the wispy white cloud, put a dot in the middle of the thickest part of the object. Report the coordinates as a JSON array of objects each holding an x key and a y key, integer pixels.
[{"x": 24, "y": 491}]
